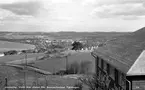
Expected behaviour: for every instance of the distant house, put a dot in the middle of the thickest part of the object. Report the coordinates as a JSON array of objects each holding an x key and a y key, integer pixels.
[
  {"x": 2, "y": 54},
  {"x": 28, "y": 41},
  {"x": 120, "y": 64}
]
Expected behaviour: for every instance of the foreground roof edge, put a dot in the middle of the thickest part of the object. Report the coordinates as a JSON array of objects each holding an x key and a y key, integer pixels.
[{"x": 138, "y": 67}]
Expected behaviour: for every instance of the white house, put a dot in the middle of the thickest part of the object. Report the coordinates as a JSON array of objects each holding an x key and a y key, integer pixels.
[{"x": 2, "y": 54}]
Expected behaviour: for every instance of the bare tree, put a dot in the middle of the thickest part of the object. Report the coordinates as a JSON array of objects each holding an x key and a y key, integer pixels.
[{"x": 90, "y": 81}]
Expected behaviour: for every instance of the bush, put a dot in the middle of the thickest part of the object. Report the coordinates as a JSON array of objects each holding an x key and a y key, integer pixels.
[
  {"x": 11, "y": 52},
  {"x": 76, "y": 68},
  {"x": 28, "y": 51},
  {"x": 73, "y": 68},
  {"x": 60, "y": 72},
  {"x": 90, "y": 81},
  {"x": 79, "y": 68}
]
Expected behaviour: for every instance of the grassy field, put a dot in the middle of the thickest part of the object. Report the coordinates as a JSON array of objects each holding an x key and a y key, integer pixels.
[
  {"x": 6, "y": 46},
  {"x": 6, "y": 70},
  {"x": 52, "y": 81},
  {"x": 55, "y": 64},
  {"x": 10, "y": 58}
]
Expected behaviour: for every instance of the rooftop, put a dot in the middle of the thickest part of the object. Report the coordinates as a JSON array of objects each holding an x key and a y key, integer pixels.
[{"x": 123, "y": 51}]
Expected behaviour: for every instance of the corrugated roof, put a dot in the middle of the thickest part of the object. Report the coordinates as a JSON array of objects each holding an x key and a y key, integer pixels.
[{"x": 124, "y": 50}]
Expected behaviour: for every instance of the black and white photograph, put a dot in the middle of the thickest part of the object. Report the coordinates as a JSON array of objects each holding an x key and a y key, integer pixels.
[{"x": 72, "y": 44}]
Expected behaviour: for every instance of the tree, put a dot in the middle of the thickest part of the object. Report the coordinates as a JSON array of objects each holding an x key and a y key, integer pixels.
[{"x": 77, "y": 45}]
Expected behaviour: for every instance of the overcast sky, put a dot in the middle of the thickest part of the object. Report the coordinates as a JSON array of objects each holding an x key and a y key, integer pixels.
[{"x": 72, "y": 15}]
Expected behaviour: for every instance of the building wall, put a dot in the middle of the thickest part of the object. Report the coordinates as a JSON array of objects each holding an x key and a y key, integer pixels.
[{"x": 108, "y": 76}]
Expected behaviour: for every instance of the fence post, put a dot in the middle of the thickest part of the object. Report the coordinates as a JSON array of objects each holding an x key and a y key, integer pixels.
[{"x": 6, "y": 81}]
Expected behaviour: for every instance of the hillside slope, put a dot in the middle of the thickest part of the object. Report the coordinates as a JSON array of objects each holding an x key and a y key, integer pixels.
[{"x": 126, "y": 48}]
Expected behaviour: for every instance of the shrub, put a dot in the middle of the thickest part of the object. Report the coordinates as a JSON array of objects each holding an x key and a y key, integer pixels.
[
  {"x": 73, "y": 68},
  {"x": 28, "y": 51},
  {"x": 76, "y": 68},
  {"x": 79, "y": 68},
  {"x": 11, "y": 52},
  {"x": 90, "y": 81}
]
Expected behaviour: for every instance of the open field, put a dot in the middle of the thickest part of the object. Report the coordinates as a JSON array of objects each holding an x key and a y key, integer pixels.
[
  {"x": 20, "y": 57},
  {"x": 12, "y": 71},
  {"x": 39, "y": 79},
  {"x": 52, "y": 81},
  {"x": 55, "y": 64},
  {"x": 6, "y": 46}
]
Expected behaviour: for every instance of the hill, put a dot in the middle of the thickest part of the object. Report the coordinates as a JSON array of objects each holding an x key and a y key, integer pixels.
[{"x": 13, "y": 36}]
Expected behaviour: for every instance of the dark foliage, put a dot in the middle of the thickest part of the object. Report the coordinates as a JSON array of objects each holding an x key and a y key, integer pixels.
[
  {"x": 79, "y": 68},
  {"x": 12, "y": 52},
  {"x": 28, "y": 51},
  {"x": 73, "y": 68},
  {"x": 61, "y": 72},
  {"x": 77, "y": 45},
  {"x": 90, "y": 81},
  {"x": 76, "y": 68}
]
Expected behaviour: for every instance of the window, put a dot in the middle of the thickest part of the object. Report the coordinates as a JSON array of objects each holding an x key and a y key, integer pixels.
[
  {"x": 102, "y": 64},
  {"x": 123, "y": 80},
  {"x": 99, "y": 62},
  {"x": 105, "y": 67},
  {"x": 119, "y": 77},
  {"x": 116, "y": 76},
  {"x": 108, "y": 69},
  {"x": 112, "y": 72}
]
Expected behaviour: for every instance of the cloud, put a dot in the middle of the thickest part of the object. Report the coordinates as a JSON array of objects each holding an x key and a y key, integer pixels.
[
  {"x": 61, "y": 1},
  {"x": 109, "y": 2},
  {"x": 23, "y": 8},
  {"x": 9, "y": 17},
  {"x": 126, "y": 9}
]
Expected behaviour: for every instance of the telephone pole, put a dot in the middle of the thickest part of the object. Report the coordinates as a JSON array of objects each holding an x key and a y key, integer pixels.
[
  {"x": 25, "y": 68},
  {"x": 6, "y": 84},
  {"x": 66, "y": 62}
]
